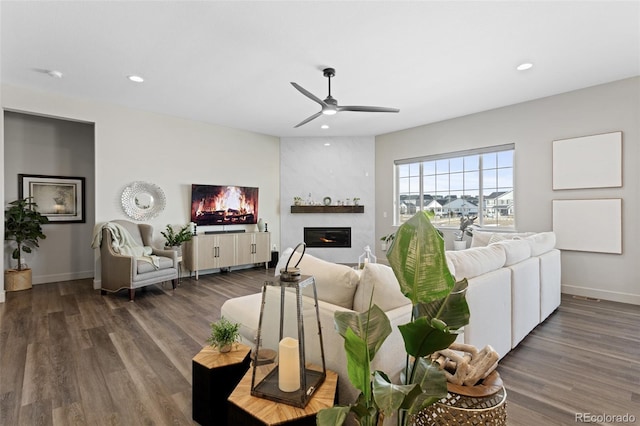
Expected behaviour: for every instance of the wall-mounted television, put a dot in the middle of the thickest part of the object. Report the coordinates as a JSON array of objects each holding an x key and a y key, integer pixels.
[{"x": 224, "y": 205}]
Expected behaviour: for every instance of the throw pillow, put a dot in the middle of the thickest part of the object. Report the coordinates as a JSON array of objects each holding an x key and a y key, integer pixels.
[
  {"x": 380, "y": 280},
  {"x": 335, "y": 283},
  {"x": 476, "y": 261},
  {"x": 541, "y": 243}
]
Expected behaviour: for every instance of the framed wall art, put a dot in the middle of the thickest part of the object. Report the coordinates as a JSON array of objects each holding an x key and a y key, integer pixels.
[
  {"x": 588, "y": 225},
  {"x": 588, "y": 162},
  {"x": 60, "y": 198}
]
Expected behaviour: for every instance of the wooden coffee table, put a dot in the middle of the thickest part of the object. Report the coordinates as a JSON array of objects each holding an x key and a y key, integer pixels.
[{"x": 245, "y": 409}]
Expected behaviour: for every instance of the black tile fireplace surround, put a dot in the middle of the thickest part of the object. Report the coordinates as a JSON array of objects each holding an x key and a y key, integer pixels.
[{"x": 327, "y": 237}]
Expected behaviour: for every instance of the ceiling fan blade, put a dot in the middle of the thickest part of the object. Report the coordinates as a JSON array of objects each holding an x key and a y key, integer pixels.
[
  {"x": 308, "y": 94},
  {"x": 367, "y": 109},
  {"x": 313, "y": 117}
]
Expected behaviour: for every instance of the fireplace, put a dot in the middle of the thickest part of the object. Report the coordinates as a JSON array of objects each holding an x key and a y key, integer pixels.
[{"x": 327, "y": 237}]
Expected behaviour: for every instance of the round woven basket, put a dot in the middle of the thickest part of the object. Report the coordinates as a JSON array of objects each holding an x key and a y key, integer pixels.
[{"x": 457, "y": 409}]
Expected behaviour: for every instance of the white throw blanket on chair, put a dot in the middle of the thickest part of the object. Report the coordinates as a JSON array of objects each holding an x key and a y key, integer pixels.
[{"x": 123, "y": 243}]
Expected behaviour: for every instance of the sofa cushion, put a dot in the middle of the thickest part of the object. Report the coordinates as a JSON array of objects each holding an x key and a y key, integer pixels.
[
  {"x": 335, "y": 283},
  {"x": 476, "y": 261},
  {"x": 484, "y": 238},
  {"x": 380, "y": 280},
  {"x": 481, "y": 238},
  {"x": 515, "y": 251},
  {"x": 541, "y": 243}
]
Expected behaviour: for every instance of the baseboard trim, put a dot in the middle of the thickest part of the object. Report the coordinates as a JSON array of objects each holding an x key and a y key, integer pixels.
[
  {"x": 54, "y": 278},
  {"x": 612, "y": 296}
]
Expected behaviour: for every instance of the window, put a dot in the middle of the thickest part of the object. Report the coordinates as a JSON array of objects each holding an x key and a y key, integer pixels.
[{"x": 471, "y": 183}]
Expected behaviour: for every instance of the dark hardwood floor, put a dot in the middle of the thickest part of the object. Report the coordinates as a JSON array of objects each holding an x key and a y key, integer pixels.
[{"x": 69, "y": 356}]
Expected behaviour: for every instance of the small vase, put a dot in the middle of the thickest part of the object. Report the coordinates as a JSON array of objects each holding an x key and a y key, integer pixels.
[
  {"x": 260, "y": 225},
  {"x": 225, "y": 348}
]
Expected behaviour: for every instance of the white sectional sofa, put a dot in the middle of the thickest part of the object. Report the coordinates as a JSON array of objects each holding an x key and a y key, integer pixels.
[{"x": 514, "y": 284}]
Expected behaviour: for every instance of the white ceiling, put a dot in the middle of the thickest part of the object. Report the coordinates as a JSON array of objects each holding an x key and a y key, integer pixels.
[{"x": 231, "y": 62}]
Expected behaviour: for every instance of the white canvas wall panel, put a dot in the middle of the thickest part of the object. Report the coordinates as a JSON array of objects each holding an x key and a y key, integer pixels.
[
  {"x": 588, "y": 225},
  {"x": 588, "y": 162}
]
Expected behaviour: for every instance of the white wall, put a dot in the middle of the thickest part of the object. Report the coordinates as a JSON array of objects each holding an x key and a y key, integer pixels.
[
  {"x": 173, "y": 153},
  {"x": 532, "y": 126},
  {"x": 41, "y": 145},
  {"x": 344, "y": 169}
]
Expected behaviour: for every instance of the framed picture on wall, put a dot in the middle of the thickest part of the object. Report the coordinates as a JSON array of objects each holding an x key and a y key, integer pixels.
[{"x": 60, "y": 198}]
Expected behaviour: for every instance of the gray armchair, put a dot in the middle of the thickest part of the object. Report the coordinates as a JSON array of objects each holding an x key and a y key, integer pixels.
[{"x": 128, "y": 272}]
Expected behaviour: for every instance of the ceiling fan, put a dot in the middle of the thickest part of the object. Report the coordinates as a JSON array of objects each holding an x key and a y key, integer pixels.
[{"x": 330, "y": 105}]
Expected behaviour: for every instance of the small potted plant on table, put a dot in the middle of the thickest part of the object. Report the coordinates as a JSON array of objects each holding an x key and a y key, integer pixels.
[
  {"x": 224, "y": 334},
  {"x": 175, "y": 239}
]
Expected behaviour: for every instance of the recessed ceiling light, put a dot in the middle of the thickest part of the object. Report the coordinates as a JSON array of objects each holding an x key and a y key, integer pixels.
[
  {"x": 524, "y": 66},
  {"x": 327, "y": 144},
  {"x": 54, "y": 73},
  {"x": 324, "y": 126},
  {"x": 135, "y": 78}
]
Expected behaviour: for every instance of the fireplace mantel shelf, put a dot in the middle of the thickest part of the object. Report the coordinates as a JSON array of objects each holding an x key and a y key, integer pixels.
[{"x": 327, "y": 209}]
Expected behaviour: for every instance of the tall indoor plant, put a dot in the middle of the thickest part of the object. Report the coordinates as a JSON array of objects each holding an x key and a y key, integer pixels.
[
  {"x": 22, "y": 225},
  {"x": 418, "y": 260}
]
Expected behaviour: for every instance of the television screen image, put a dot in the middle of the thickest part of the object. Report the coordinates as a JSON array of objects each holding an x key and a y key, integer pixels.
[{"x": 224, "y": 205}]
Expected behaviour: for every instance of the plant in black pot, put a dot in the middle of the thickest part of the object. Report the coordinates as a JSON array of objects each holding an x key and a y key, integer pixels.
[{"x": 22, "y": 225}]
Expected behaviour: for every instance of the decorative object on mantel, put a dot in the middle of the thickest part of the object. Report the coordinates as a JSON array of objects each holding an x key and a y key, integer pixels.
[
  {"x": 290, "y": 380},
  {"x": 327, "y": 209},
  {"x": 224, "y": 334},
  {"x": 326, "y": 201},
  {"x": 22, "y": 225},
  {"x": 356, "y": 201},
  {"x": 143, "y": 200},
  {"x": 297, "y": 201}
]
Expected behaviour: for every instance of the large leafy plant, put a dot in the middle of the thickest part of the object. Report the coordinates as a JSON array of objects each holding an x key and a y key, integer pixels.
[
  {"x": 418, "y": 260},
  {"x": 23, "y": 225}
]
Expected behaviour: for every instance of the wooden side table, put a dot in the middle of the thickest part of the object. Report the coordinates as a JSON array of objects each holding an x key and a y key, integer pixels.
[
  {"x": 214, "y": 376},
  {"x": 245, "y": 409}
]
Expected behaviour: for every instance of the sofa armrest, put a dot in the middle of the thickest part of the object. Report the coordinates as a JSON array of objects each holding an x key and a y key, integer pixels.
[
  {"x": 171, "y": 254},
  {"x": 116, "y": 269}
]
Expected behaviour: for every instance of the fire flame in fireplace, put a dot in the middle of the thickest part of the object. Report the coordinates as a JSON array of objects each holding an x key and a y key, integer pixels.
[{"x": 229, "y": 205}]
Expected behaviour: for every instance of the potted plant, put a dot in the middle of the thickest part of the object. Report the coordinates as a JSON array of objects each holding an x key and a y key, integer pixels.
[
  {"x": 175, "y": 239},
  {"x": 466, "y": 228},
  {"x": 297, "y": 201},
  {"x": 386, "y": 241},
  {"x": 356, "y": 201},
  {"x": 23, "y": 225},
  {"x": 224, "y": 334},
  {"x": 417, "y": 257}
]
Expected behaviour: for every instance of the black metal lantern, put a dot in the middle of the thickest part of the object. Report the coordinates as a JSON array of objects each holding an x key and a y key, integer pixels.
[{"x": 292, "y": 378}]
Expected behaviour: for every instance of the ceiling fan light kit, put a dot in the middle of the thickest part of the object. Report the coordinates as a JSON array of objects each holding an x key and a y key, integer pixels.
[{"x": 329, "y": 106}]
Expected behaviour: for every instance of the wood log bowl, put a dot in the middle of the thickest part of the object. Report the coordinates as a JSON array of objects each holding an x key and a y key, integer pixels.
[{"x": 485, "y": 387}]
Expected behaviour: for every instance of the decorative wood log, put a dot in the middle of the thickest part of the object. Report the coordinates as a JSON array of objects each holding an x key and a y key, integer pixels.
[{"x": 464, "y": 364}]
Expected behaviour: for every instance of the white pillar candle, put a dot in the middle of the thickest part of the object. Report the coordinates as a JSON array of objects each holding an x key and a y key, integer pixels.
[{"x": 288, "y": 365}]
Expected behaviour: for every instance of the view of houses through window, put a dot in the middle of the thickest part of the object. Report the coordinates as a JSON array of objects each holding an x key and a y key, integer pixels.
[{"x": 476, "y": 183}]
